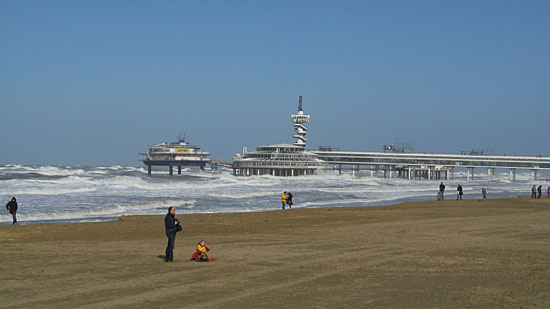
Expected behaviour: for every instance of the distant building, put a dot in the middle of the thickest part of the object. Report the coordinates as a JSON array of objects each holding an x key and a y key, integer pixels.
[{"x": 281, "y": 159}]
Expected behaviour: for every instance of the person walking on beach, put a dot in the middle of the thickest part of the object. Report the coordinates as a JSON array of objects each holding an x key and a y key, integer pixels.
[
  {"x": 534, "y": 192},
  {"x": 548, "y": 192},
  {"x": 539, "y": 191},
  {"x": 283, "y": 199},
  {"x": 441, "y": 190},
  {"x": 11, "y": 206},
  {"x": 459, "y": 192},
  {"x": 172, "y": 226},
  {"x": 484, "y": 193},
  {"x": 289, "y": 200}
]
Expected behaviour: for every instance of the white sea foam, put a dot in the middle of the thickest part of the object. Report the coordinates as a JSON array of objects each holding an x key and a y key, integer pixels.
[
  {"x": 87, "y": 193},
  {"x": 245, "y": 195}
]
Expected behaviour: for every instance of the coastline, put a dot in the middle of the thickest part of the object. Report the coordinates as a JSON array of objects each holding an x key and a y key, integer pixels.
[
  {"x": 385, "y": 203},
  {"x": 451, "y": 253}
]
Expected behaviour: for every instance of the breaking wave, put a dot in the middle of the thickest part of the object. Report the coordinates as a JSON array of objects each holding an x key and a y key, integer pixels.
[{"x": 52, "y": 193}]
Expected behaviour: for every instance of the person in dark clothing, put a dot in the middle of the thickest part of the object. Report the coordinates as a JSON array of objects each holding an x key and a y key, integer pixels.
[
  {"x": 534, "y": 192},
  {"x": 289, "y": 200},
  {"x": 11, "y": 206},
  {"x": 539, "y": 191},
  {"x": 441, "y": 190},
  {"x": 459, "y": 192},
  {"x": 172, "y": 226},
  {"x": 484, "y": 193}
]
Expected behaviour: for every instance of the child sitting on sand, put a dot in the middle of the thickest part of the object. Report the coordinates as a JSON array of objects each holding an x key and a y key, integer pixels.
[{"x": 200, "y": 255}]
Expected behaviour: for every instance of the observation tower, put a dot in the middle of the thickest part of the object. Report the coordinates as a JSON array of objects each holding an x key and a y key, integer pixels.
[
  {"x": 281, "y": 159},
  {"x": 299, "y": 120}
]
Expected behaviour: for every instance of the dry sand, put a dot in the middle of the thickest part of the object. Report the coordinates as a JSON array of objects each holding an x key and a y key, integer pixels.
[{"x": 471, "y": 253}]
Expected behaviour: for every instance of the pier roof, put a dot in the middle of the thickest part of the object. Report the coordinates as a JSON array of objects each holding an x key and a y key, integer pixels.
[{"x": 281, "y": 146}]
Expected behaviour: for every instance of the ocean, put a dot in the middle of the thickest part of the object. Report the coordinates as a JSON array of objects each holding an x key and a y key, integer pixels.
[{"x": 95, "y": 193}]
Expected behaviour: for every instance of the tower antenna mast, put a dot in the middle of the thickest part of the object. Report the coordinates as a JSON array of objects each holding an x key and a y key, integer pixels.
[{"x": 299, "y": 120}]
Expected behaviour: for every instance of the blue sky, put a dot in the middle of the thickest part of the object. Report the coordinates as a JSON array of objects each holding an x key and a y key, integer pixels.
[{"x": 94, "y": 82}]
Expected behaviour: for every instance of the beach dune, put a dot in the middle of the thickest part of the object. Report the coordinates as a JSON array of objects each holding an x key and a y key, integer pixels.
[{"x": 422, "y": 254}]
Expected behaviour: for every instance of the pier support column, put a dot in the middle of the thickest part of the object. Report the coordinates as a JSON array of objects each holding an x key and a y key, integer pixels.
[
  {"x": 149, "y": 170},
  {"x": 512, "y": 174},
  {"x": 179, "y": 170},
  {"x": 490, "y": 173},
  {"x": 470, "y": 175},
  {"x": 409, "y": 173},
  {"x": 171, "y": 170},
  {"x": 533, "y": 175}
]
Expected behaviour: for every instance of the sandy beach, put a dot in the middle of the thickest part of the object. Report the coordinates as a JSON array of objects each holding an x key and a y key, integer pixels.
[{"x": 470, "y": 253}]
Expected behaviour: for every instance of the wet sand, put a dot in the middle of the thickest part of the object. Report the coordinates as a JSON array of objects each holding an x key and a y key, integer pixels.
[{"x": 470, "y": 253}]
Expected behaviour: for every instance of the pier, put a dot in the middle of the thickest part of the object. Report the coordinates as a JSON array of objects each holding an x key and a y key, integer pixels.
[
  {"x": 287, "y": 160},
  {"x": 400, "y": 162},
  {"x": 430, "y": 166},
  {"x": 177, "y": 154}
]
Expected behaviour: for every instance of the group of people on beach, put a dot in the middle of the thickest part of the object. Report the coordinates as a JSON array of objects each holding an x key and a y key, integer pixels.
[
  {"x": 537, "y": 192},
  {"x": 459, "y": 192},
  {"x": 286, "y": 199},
  {"x": 173, "y": 226}
]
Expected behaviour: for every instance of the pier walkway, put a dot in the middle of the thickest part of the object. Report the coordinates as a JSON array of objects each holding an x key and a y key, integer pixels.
[
  {"x": 214, "y": 162},
  {"x": 430, "y": 166}
]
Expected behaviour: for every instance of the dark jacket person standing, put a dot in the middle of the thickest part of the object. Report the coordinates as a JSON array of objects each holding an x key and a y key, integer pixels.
[
  {"x": 172, "y": 226},
  {"x": 11, "y": 206},
  {"x": 459, "y": 192},
  {"x": 441, "y": 190}
]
